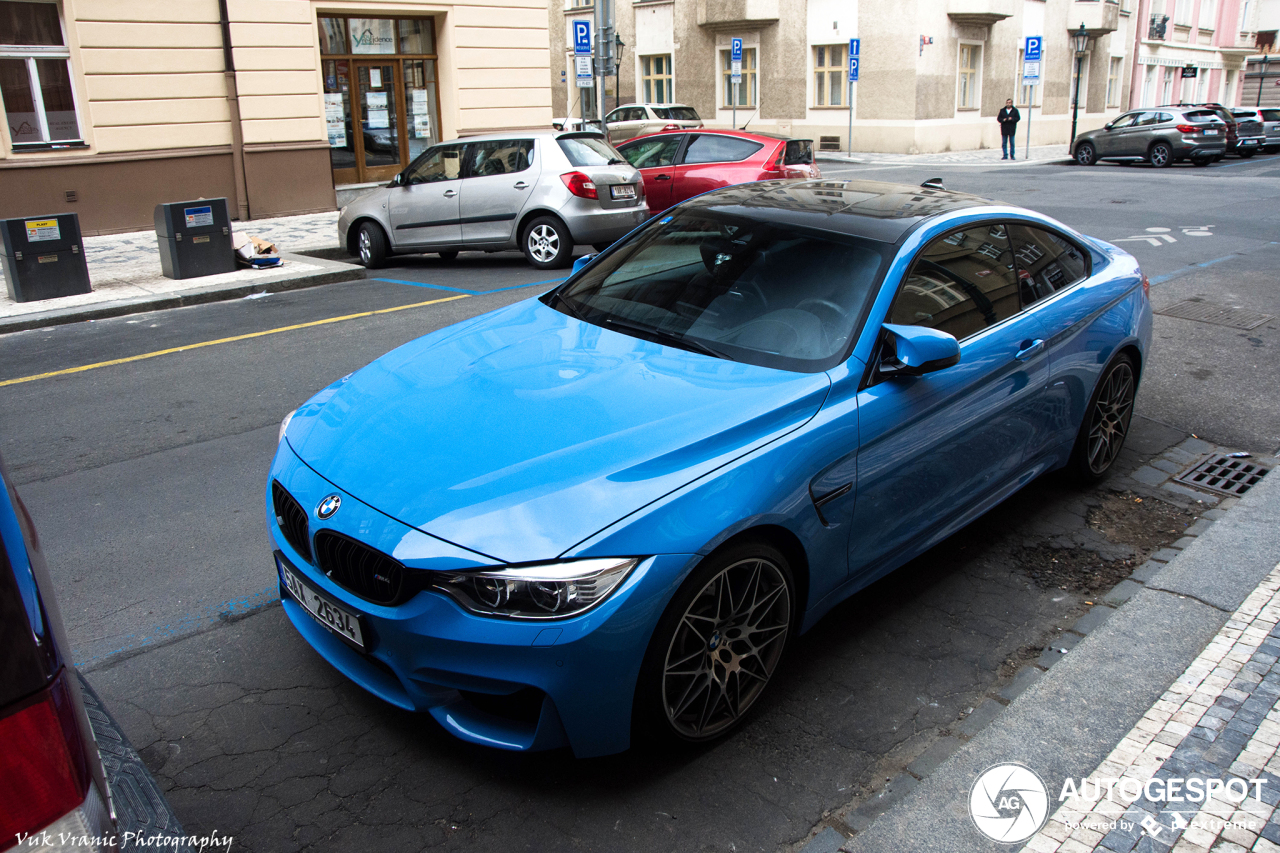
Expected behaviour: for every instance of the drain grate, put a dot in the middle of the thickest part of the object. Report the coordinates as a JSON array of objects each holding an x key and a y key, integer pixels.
[
  {"x": 1218, "y": 315},
  {"x": 1224, "y": 475}
]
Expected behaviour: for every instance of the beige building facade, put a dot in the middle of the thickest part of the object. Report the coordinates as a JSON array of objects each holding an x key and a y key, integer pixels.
[
  {"x": 933, "y": 73},
  {"x": 114, "y": 106}
]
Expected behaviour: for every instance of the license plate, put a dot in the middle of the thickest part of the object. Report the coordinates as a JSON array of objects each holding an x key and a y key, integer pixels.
[
  {"x": 622, "y": 191},
  {"x": 1211, "y": 133},
  {"x": 1245, "y": 143},
  {"x": 328, "y": 614}
]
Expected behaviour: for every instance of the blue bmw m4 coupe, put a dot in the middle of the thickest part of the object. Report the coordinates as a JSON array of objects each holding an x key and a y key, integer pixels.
[{"x": 606, "y": 511}]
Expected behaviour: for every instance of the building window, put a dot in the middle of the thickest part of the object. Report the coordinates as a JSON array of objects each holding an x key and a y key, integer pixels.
[
  {"x": 1166, "y": 90},
  {"x": 1113, "y": 81},
  {"x": 1229, "y": 88},
  {"x": 1028, "y": 95},
  {"x": 655, "y": 72},
  {"x": 1149, "y": 87},
  {"x": 1208, "y": 14},
  {"x": 747, "y": 88},
  {"x": 828, "y": 75},
  {"x": 1182, "y": 13},
  {"x": 967, "y": 85},
  {"x": 35, "y": 77},
  {"x": 1084, "y": 82}
]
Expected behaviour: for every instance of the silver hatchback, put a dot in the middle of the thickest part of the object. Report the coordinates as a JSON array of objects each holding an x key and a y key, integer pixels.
[{"x": 542, "y": 192}]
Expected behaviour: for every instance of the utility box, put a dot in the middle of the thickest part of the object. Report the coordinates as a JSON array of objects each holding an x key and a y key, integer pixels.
[
  {"x": 43, "y": 257},
  {"x": 194, "y": 238}
]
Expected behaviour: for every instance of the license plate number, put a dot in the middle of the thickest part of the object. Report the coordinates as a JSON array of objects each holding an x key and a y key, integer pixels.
[
  {"x": 1248, "y": 142},
  {"x": 328, "y": 614},
  {"x": 622, "y": 191},
  {"x": 1211, "y": 133}
]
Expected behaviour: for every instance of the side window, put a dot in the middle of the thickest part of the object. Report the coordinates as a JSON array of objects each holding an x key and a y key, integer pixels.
[
  {"x": 1124, "y": 121},
  {"x": 437, "y": 164},
  {"x": 1165, "y": 117},
  {"x": 1046, "y": 262},
  {"x": 711, "y": 148},
  {"x": 654, "y": 151},
  {"x": 1147, "y": 119},
  {"x": 960, "y": 284},
  {"x": 498, "y": 157},
  {"x": 636, "y": 114},
  {"x": 619, "y": 114}
]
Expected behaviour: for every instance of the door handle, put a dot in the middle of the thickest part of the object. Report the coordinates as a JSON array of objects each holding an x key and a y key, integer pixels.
[
  {"x": 1029, "y": 348},
  {"x": 662, "y": 177},
  {"x": 450, "y": 193},
  {"x": 521, "y": 185}
]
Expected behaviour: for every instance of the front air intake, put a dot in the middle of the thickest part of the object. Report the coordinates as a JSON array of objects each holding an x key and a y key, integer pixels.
[
  {"x": 292, "y": 520},
  {"x": 370, "y": 574}
]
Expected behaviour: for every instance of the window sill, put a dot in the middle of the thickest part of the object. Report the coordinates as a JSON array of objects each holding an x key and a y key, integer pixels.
[
  {"x": 579, "y": 9},
  {"x": 841, "y": 108},
  {"x": 968, "y": 109},
  {"x": 19, "y": 147}
]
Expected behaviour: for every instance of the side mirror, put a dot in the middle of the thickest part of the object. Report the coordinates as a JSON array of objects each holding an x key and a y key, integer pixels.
[
  {"x": 583, "y": 261},
  {"x": 920, "y": 350},
  {"x": 398, "y": 180}
]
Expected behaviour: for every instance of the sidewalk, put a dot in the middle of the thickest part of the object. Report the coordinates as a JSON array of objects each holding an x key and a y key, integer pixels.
[
  {"x": 124, "y": 270},
  {"x": 1041, "y": 155},
  {"x": 1177, "y": 677}
]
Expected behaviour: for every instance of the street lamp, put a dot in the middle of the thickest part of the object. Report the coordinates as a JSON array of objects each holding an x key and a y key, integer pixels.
[
  {"x": 1262, "y": 80},
  {"x": 617, "y": 72},
  {"x": 1080, "y": 41}
]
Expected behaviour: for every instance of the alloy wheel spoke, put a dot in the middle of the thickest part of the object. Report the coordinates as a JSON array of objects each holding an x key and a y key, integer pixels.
[{"x": 695, "y": 688}]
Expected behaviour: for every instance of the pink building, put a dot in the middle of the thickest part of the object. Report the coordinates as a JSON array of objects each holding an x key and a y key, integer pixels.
[{"x": 1191, "y": 51}]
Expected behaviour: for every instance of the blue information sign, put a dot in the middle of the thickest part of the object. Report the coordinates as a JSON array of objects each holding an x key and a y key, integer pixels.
[
  {"x": 854, "y": 46},
  {"x": 1032, "y": 51},
  {"x": 853, "y": 69},
  {"x": 582, "y": 38},
  {"x": 736, "y": 51}
]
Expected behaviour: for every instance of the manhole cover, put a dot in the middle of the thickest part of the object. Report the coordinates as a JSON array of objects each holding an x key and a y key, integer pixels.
[
  {"x": 1218, "y": 315},
  {"x": 1224, "y": 475}
]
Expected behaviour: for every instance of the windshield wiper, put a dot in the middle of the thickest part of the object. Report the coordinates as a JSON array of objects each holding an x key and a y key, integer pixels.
[
  {"x": 613, "y": 161},
  {"x": 660, "y": 336},
  {"x": 561, "y": 300}
]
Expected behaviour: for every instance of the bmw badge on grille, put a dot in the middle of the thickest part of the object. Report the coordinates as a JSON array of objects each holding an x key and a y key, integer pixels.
[{"x": 328, "y": 507}]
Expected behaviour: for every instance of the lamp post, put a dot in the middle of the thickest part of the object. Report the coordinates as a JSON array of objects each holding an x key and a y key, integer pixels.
[
  {"x": 1262, "y": 79},
  {"x": 617, "y": 72},
  {"x": 1080, "y": 41}
]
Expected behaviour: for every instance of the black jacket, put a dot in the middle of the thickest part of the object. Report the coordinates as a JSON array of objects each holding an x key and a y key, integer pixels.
[{"x": 1009, "y": 118}]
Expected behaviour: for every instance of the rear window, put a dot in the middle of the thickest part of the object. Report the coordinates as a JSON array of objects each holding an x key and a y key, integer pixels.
[
  {"x": 799, "y": 152},
  {"x": 1271, "y": 115},
  {"x": 711, "y": 148},
  {"x": 589, "y": 150},
  {"x": 1201, "y": 115},
  {"x": 676, "y": 113}
]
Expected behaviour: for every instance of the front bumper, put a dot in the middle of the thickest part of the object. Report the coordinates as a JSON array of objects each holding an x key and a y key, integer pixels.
[{"x": 510, "y": 684}]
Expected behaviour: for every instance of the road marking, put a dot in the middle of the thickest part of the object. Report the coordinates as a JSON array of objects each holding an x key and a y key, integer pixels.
[
  {"x": 249, "y": 336},
  {"x": 1191, "y": 268}
]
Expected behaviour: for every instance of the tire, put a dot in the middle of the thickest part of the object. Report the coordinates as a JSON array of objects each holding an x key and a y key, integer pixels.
[
  {"x": 448, "y": 256},
  {"x": 691, "y": 687},
  {"x": 371, "y": 245},
  {"x": 1086, "y": 154},
  {"x": 1106, "y": 421},
  {"x": 1201, "y": 161},
  {"x": 1245, "y": 155},
  {"x": 1160, "y": 155},
  {"x": 547, "y": 244}
]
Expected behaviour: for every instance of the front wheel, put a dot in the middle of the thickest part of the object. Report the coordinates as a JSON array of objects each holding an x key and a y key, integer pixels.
[
  {"x": 371, "y": 243},
  {"x": 1106, "y": 421},
  {"x": 1160, "y": 155},
  {"x": 717, "y": 646},
  {"x": 1086, "y": 154},
  {"x": 547, "y": 243}
]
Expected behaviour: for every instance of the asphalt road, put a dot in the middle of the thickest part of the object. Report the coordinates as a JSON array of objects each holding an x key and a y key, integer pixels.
[{"x": 146, "y": 480}]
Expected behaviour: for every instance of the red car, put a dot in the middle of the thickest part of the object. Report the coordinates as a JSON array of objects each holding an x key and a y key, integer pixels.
[{"x": 680, "y": 164}]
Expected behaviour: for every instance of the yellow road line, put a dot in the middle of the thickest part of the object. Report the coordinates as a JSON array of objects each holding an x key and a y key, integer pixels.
[{"x": 146, "y": 355}]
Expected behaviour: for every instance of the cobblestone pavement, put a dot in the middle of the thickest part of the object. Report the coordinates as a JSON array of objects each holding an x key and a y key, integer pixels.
[{"x": 982, "y": 156}]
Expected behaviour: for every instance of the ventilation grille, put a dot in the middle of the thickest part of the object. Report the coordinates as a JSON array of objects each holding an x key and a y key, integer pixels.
[
  {"x": 292, "y": 520},
  {"x": 370, "y": 574},
  {"x": 1224, "y": 475}
]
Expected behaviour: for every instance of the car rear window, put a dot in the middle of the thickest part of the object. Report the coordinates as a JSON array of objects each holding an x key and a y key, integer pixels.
[
  {"x": 1271, "y": 115},
  {"x": 677, "y": 113},
  {"x": 589, "y": 149},
  {"x": 713, "y": 148},
  {"x": 1201, "y": 115},
  {"x": 799, "y": 152}
]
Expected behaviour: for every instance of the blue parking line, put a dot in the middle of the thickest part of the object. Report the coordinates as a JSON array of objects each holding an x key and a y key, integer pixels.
[
  {"x": 1187, "y": 269},
  {"x": 468, "y": 292}
]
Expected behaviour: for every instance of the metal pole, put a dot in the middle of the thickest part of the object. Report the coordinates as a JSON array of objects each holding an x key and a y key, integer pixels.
[
  {"x": 1031, "y": 103},
  {"x": 1075, "y": 102},
  {"x": 733, "y": 122},
  {"x": 850, "y": 116},
  {"x": 1262, "y": 79}
]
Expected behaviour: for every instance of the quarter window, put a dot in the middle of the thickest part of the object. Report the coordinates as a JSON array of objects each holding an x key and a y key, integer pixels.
[
  {"x": 1046, "y": 262},
  {"x": 35, "y": 78},
  {"x": 960, "y": 284}
]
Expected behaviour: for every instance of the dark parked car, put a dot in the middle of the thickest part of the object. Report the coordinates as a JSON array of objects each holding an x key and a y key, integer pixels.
[
  {"x": 61, "y": 754},
  {"x": 1159, "y": 136},
  {"x": 677, "y": 165},
  {"x": 1267, "y": 126}
]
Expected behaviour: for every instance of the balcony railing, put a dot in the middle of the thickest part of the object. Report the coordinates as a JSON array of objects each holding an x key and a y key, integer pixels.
[{"x": 1159, "y": 29}]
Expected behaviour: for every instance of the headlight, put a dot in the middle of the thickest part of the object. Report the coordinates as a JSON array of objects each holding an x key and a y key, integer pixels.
[
  {"x": 284, "y": 425},
  {"x": 547, "y": 591}
]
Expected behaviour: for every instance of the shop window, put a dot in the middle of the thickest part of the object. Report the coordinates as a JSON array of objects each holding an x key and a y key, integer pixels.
[{"x": 35, "y": 77}]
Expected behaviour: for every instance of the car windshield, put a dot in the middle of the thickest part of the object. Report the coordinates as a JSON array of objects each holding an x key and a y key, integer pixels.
[
  {"x": 676, "y": 113},
  {"x": 589, "y": 150},
  {"x": 732, "y": 287}
]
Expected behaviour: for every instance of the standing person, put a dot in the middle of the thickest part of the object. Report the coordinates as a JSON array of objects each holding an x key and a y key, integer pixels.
[{"x": 1008, "y": 118}]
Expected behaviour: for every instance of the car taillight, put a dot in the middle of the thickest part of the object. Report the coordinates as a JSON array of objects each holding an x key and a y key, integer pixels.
[
  {"x": 1187, "y": 128},
  {"x": 1146, "y": 286},
  {"x": 43, "y": 772},
  {"x": 579, "y": 184},
  {"x": 672, "y": 127}
]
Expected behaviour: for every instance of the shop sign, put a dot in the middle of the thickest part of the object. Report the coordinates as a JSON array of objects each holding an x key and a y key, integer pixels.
[{"x": 373, "y": 35}]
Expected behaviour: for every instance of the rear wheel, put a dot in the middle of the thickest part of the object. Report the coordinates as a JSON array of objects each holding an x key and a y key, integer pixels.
[
  {"x": 1201, "y": 161},
  {"x": 1245, "y": 155},
  {"x": 1086, "y": 154},
  {"x": 717, "y": 646},
  {"x": 1106, "y": 421},
  {"x": 547, "y": 243},
  {"x": 1160, "y": 155},
  {"x": 371, "y": 244}
]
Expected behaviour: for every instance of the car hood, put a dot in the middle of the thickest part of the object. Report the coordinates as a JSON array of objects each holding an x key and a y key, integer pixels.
[{"x": 522, "y": 432}]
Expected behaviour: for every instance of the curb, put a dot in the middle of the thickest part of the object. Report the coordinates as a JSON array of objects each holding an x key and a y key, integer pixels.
[
  {"x": 1066, "y": 712},
  {"x": 332, "y": 272},
  {"x": 1060, "y": 161}
]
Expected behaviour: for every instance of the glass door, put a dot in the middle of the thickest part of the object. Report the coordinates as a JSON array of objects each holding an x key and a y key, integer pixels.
[
  {"x": 380, "y": 135},
  {"x": 337, "y": 120}
]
